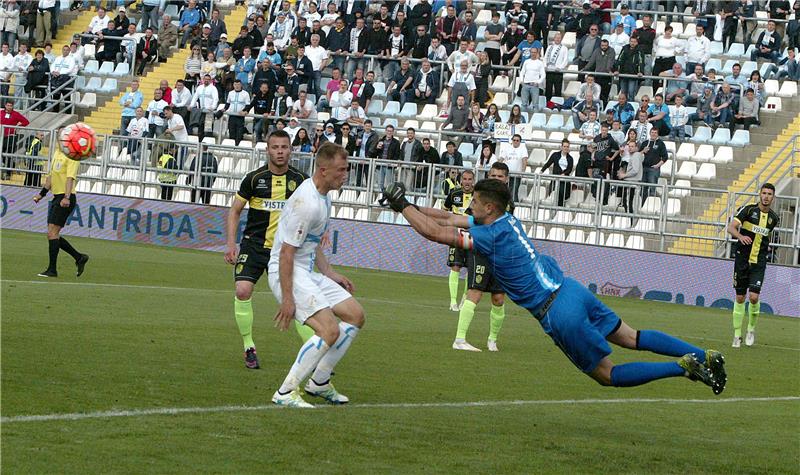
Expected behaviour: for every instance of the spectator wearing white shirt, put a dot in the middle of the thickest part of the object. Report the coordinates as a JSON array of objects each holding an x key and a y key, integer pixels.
[
  {"x": 237, "y": 100},
  {"x": 98, "y": 24},
  {"x": 154, "y": 114},
  {"x": 6, "y": 68},
  {"x": 181, "y": 98},
  {"x": 61, "y": 70},
  {"x": 642, "y": 127},
  {"x": 460, "y": 55},
  {"x": 532, "y": 74},
  {"x": 698, "y": 49},
  {"x": 302, "y": 108},
  {"x": 205, "y": 100},
  {"x": 591, "y": 127},
  {"x": 555, "y": 57},
  {"x": 129, "y": 42},
  {"x": 590, "y": 86},
  {"x": 177, "y": 127},
  {"x": 22, "y": 60},
  {"x": 618, "y": 39},
  {"x": 461, "y": 83},
  {"x": 678, "y": 117},
  {"x": 356, "y": 116},
  {"x": 665, "y": 49},
  {"x": 137, "y": 128},
  {"x": 44, "y": 21},
  {"x": 340, "y": 99},
  {"x": 319, "y": 61},
  {"x": 515, "y": 156},
  {"x": 281, "y": 31}
]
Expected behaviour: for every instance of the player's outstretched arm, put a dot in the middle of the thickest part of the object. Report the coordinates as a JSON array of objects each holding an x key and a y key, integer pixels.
[
  {"x": 433, "y": 231},
  {"x": 445, "y": 218}
]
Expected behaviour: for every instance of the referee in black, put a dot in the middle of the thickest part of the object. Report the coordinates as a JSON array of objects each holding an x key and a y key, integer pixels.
[{"x": 61, "y": 180}]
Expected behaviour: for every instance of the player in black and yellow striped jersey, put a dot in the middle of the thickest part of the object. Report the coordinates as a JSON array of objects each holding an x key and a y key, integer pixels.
[
  {"x": 61, "y": 180},
  {"x": 480, "y": 279},
  {"x": 752, "y": 227},
  {"x": 265, "y": 190},
  {"x": 457, "y": 202}
]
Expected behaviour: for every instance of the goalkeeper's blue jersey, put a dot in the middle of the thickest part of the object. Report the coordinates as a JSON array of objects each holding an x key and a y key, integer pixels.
[{"x": 526, "y": 276}]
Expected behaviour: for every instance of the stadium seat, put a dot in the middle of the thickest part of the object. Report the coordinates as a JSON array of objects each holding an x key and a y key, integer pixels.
[
  {"x": 500, "y": 83},
  {"x": 362, "y": 214},
  {"x": 673, "y": 206},
  {"x": 93, "y": 84},
  {"x": 401, "y": 220},
  {"x": 429, "y": 112},
  {"x": 345, "y": 212},
  {"x": 635, "y": 243},
  {"x": 466, "y": 149},
  {"x": 740, "y": 138},
  {"x": 748, "y": 67},
  {"x": 576, "y": 235},
  {"x": 556, "y": 136},
  {"x": 652, "y": 205},
  {"x": 569, "y": 39},
  {"x": 380, "y": 89},
  {"x": 715, "y": 64},
  {"x": 500, "y": 99},
  {"x": 728, "y": 67},
  {"x": 677, "y": 29},
  {"x": 644, "y": 91},
  {"x": 89, "y": 100},
  {"x": 788, "y": 89},
  {"x": 106, "y": 68},
  {"x": 390, "y": 120},
  {"x": 375, "y": 108},
  {"x": 324, "y": 116},
  {"x": 736, "y": 50},
  {"x": 682, "y": 189},
  {"x": 386, "y": 217},
  {"x": 721, "y": 136},
  {"x": 706, "y": 172},
  {"x": 645, "y": 225},
  {"x": 409, "y": 110},
  {"x": 572, "y": 89},
  {"x": 151, "y": 193},
  {"x": 704, "y": 153},
  {"x": 392, "y": 109},
  {"x": 615, "y": 240},
  {"x": 484, "y": 16},
  {"x": 537, "y": 232},
  {"x": 555, "y": 122},
  {"x": 685, "y": 152},
  {"x": 702, "y": 134},
  {"x": 772, "y": 105},
  {"x": 92, "y": 67},
  {"x": 556, "y": 234},
  {"x": 723, "y": 155},
  {"x": 596, "y": 238},
  {"x": 771, "y": 86},
  {"x": 109, "y": 86},
  {"x": 666, "y": 168},
  {"x": 122, "y": 69},
  {"x": 538, "y": 120},
  {"x": 583, "y": 219}
]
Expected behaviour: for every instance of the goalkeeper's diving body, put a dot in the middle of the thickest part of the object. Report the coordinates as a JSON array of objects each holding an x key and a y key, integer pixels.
[{"x": 579, "y": 324}]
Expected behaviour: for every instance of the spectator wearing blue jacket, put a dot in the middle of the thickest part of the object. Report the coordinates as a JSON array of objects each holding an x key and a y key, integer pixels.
[
  {"x": 658, "y": 115},
  {"x": 189, "y": 18},
  {"x": 129, "y": 102},
  {"x": 622, "y": 111},
  {"x": 244, "y": 69}
]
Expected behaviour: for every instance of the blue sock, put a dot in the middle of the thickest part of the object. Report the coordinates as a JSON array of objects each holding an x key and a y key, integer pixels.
[
  {"x": 663, "y": 344},
  {"x": 634, "y": 374}
]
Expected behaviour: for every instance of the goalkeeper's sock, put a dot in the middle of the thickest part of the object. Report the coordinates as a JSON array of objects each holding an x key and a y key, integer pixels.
[
  {"x": 738, "y": 317},
  {"x": 243, "y": 311},
  {"x": 465, "y": 318},
  {"x": 67, "y": 247},
  {"x": 53, "y": 247},
  {"x": 755, "y": 309},
  {"x": 496, "y": 317},
  {"x": 635, "y": 374},
  {"x": 307, "y": 359},
  {"x": 304, "y": 331},
  {"x": 347, "y": 333},
  {"x": 663, "y": 344},
  {"x": 453, "y": 281}
]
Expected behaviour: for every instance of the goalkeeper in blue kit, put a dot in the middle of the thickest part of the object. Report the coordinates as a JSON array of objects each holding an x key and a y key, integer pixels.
[{"x": 579, "y": 324}]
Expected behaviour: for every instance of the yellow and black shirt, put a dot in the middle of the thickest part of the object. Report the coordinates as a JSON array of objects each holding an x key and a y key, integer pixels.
[
  {"x": 458, "y": 201},
  {"x": 61, "y": 168},
  {"x": 266, "y": 193},
  {"x": 758, "y": 225}
]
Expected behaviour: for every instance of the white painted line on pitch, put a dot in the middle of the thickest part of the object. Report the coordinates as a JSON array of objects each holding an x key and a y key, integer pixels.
[
  {"x": 366, "y": 299},
  {"x": 171, "y": 411}
]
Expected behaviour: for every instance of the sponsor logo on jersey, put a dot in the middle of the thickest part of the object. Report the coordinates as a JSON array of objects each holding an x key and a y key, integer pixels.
[
  {"x": 760, "y": 230},
  {"x": 267, "y": 205},
  {"x": 292, "y": 185}
]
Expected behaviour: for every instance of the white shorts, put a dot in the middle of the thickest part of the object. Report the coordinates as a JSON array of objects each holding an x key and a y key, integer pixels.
[{"x": 312, "y": 292}]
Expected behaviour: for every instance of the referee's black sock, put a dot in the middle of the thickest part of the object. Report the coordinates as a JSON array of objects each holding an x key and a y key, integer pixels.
[
  {"x": 67, "y": 247},
  {"x": 53, "y": 246}
]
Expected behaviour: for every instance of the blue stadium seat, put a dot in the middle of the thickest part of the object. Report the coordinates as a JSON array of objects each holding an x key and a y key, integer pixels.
[
  {"x": 721, "y": 136},
  {"x": 109, "y": 86},
  {"x": 93, "y": 84}
]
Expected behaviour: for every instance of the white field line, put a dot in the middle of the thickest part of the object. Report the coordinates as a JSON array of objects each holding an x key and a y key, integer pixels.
[
  {"x": 172, "y": 411},
  {"x": 366, "y": 299}
]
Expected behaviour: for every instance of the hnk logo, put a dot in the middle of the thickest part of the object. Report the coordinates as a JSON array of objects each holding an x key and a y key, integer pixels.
[{"x": 614, "y": 290}]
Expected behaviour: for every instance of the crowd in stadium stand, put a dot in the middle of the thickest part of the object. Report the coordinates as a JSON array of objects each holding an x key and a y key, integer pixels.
[{"x": 297, "y": 59}]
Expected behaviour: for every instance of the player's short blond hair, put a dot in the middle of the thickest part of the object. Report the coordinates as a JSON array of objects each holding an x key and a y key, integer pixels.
[{"x": 328, "y": 153}]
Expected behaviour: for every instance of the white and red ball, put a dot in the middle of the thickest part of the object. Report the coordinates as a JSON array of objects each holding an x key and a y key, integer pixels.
[{"x": 78, "y": 141}]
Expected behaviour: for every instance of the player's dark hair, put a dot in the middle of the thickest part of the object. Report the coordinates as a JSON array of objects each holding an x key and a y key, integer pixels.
[
  {"x": 495, "y": 192},
  {"x": 500, "y": 166},
  {"x": 279, "y": 134},
  {"x": 769, "y": 186}
]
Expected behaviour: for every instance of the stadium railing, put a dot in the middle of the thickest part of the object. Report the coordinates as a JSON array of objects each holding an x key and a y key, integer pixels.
[{"x": 29, "y": 103}]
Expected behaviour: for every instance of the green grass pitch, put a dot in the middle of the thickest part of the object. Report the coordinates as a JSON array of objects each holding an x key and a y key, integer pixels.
[{"x": 152, "y": 328}]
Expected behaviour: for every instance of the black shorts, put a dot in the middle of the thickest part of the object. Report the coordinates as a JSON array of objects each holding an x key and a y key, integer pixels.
[
  {"x": 747, "y": 276},
  {"x": 480, "y": 275},
  {"x": 456, "y": 257},
  {"x": 252, "y": 261},
  {"x": 57, "y": 214}
]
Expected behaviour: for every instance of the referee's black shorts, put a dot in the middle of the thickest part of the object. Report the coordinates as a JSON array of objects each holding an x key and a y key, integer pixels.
[
  {"x": 252, "y": 261},
  {"x": 480, "y": 275},
  {"x": 57, "y": 214}
]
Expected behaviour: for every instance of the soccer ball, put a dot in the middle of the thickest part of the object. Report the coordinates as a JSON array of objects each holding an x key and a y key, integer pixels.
[{"x": 78, "y": 141}]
